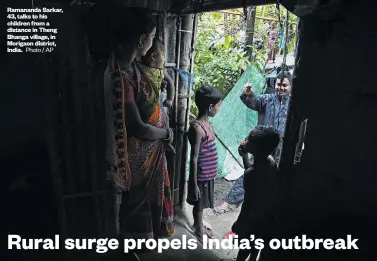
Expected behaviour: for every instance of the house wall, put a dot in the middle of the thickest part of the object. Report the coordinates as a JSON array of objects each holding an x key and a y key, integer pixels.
[
  {"x": 332, "y": 191},
  {"x": 55, "y": 120},
  {"x": 23, "y": 150}
]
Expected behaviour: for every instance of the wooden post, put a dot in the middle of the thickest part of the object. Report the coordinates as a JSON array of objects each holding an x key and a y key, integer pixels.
[
  {"x": 182, "y": 185},
  {"x": 250, "y": 23},
  {"x": 171, "y": 48},
  {"x": 181, "y": 102}
]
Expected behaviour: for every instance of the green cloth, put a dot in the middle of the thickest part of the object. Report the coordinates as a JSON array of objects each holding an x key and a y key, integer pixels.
[{"x": 234, "y": 121}]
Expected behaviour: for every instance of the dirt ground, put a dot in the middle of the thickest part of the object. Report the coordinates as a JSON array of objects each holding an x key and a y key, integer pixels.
[{"x": 221, "y": 224}]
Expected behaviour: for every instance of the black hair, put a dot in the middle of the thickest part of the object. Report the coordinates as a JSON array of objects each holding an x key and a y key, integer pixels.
[
  {"x": 207, "y": 95},
  {"x": 129, "y": 23},
  {"x": 157, "y": 46},
  {"x": 264, "y": 140},
  {"x": 284, "y": 75}
]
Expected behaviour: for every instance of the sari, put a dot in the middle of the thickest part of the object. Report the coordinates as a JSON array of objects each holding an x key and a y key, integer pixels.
[{"x": 137, "y": 167}]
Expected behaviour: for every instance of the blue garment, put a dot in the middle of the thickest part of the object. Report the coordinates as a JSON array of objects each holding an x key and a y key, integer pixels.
[
  {"x": 272, "y": 109},
  {"x": 236, "y": 194}
]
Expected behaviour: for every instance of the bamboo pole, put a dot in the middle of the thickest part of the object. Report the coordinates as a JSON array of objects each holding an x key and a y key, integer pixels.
[
  {"x": 182, "y": 184},
  {"x": 250, "y": 30},
  {"x": 185, "y": 46},
  {"x": 286, "y": 40},
  {"x": 176, "y": 157},
  {"x": 178, "y": 51}
]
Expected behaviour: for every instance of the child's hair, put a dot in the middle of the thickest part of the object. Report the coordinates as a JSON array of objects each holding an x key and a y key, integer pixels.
[
  {"x": 157, "y": 47},
  {"x": 207, "y": 95},
  {"x": 264, "y": 140},
  {"x": 284, "y": 75}
]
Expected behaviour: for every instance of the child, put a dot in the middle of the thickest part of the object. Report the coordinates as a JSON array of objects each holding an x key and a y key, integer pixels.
[
  {"x": 203, "y": 159},
  {"x": 153, "y": 63},
  {"x": 261, "y": 188}
]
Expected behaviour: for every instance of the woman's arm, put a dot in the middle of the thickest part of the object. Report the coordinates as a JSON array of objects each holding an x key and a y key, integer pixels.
[
  {"x": 135, "y": 126},
  {"x": 139, "y": 129}
]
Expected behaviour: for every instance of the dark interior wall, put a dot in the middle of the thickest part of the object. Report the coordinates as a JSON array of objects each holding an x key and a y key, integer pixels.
[
  {"x": 52, "y": 111},
  {"x": 65, "y": 86},
  {"x": 340, "y": 101},
  {"x": 23, "y": 151},
  {"x": 77, "y": 124},
  {"x": 333, "y": 190},
  {"x": 21, "y": 96},
  {"x": 21, "y": 102}
]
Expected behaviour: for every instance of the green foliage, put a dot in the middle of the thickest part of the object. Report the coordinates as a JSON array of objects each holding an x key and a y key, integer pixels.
[
  {"x": 222, "y": 65},
  {"x": 260, "y": 56}
]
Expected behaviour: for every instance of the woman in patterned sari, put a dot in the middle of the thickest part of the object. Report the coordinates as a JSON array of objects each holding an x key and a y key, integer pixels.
[{"x": 137, "y": 131}]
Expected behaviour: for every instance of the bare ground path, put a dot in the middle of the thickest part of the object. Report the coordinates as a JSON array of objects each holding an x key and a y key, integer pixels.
[{"x": 220, "y": 224}]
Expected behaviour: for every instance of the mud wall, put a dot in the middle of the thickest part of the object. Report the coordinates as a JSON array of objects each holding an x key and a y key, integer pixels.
[{"x": 332, "y": 191}]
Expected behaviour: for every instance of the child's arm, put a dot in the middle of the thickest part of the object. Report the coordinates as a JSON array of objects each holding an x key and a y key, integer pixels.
[
  {"x": 170, "y": 90},
  {"x": 245, "y": 158},
  {"x": 195, "y": 135},
  {"x": 246, "y": 162}
]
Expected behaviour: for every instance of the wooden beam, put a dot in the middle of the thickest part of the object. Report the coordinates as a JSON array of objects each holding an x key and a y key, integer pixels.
[
  {"x": 231, "y": 12},
  {"x": 272, "y": 19},
  {"x": 227, "y": 4},
  {"x": 155, "y": 5}
]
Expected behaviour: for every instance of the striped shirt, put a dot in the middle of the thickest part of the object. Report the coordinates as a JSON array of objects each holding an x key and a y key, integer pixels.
[{"x": 208, "y": 158}]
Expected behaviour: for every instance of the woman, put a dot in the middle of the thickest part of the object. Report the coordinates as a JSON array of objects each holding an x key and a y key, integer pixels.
[
  {"x": 271, "y": 43},
  {"x": 137, "y": 130}
]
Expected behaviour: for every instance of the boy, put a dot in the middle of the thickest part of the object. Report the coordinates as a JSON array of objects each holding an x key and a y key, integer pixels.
[
  {"x": 203, "y": 159},
  {"x": 261, "y": 188},
  {"x": 153, "y": 63}
]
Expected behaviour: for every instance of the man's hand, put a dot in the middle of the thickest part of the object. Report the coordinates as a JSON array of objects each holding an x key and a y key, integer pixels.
[
  {"x": 248, "y": 89},
  {"x": 168, "y": 103}
]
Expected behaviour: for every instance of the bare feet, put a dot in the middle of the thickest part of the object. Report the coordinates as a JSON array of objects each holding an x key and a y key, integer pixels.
[{"x": 202, "y": 231}]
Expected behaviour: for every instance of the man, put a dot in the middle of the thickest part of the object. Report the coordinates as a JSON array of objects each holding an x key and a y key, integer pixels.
[
  {"x": 272, "y": 108},
  {"x": 272, "y": 112}
]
